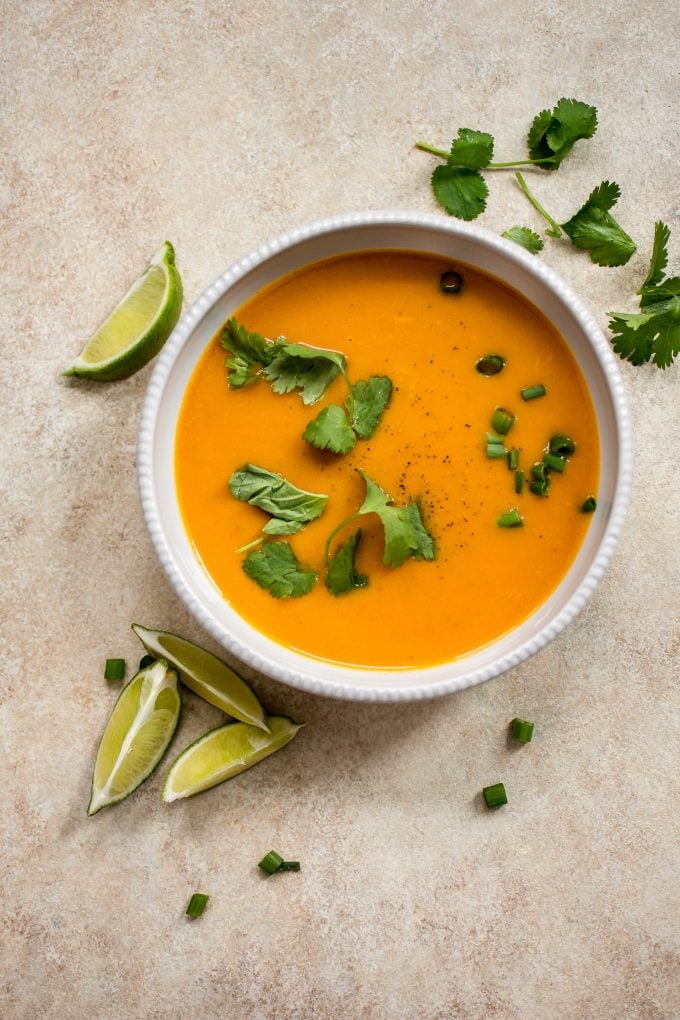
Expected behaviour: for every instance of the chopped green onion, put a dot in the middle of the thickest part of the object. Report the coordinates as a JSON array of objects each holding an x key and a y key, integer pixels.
[
  {"x": 553, "y": 462},
  {"x": 510, "y": 519},
  {"x": 531, "y": 392},
  {"x": 502, "y": 420},
  {"x": 539, "y": 471},
  {"x": 495, "y": 451},
  {"x": 495, "y": 796},
  {"x": 562, "y": 446},
  {"x": 290, "y": 866},
  {"x": 539, "y": 488},
  {"x": 197, "y": 905},
  {"x": 146, "y": 660},
  {"x": 114, "y": 669},
  {"x": 589, "y": 505},
  {"x": 490, "y": 364},
  {"x": 513, "y": 459},
  {"x": 451, "y": 282},
  {"x": 271, "y": 863},
  {"x": 519, "y": 481},
  {"x": 522, "y": 730},
  {"x": 492, "y": 438}
]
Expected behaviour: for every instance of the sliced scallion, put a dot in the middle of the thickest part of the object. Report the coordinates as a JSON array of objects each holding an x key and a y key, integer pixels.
[
  {"x": 502, "y": 420},
  {"x": 539, "y": 488},
  {"x": 519, "y": 481},
  {"x": 522, "y": 730},
  {"x": 510, "y": 519},
  {"x": 539, "y": 471},
  {"x": 197, "y": 905},
  {"x": 492, "y": 438},
  {"x": 451, "y": 282},
  {"x": 554, "y": 463},
  {"x": 513, "y": 459},
  {"x": 531, "y": 392},
  {"x": 271, "y": 863},
  {"x": 495, "y": 796},
  {"x": 114, "y": 669},
  {"x": 589, "y": 505},
  {"x": 490, "y": 364},
  {"x": 562, "y": 446},
  {"x": 290, "y": 866},
  {"x": 495, "y": 451}
]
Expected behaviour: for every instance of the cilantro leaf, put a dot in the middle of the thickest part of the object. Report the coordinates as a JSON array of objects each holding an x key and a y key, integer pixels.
[
  {"x": 342, "y": 576},
  {"x": 462, "y": 192},
  {"x": 525, "y": 237},
  {"x": 553, "y": 134},
  {"x": 276, "y": 569},
  {"x": 595, "y": 230},
  {"x": 367, "y": 403},
  {"x": 275, "y": 526},
  {"x": 278, "y": 497},
  {"x": 300, "y": 366},
  {"x": 248, "y": 352},
  {"x": 471, "y": 149},
  {"x": 330, "y": 431},
  {"x": 659, "y": 259}
]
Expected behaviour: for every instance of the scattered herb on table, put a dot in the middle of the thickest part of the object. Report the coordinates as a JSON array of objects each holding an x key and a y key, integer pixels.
[
  {"x": 273, "y": 862},
  {"x": 495, "y": 796},
  {"x": 525, "y": 237},
  {"x": 197, "y": 905},
  {"x": 522, "y": 731},
  {"x": 114, "y": 669}
]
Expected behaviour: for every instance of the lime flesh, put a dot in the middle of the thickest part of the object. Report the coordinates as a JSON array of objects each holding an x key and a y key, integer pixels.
[
  {"x": 223, "y": 753},
  {"x": 205, "y": 675},
  {"x": 137, "y": 735},
  {"x": 138, "y": 326}
]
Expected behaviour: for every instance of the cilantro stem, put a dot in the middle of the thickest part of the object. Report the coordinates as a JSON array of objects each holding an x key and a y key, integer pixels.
[
  {"x": 250, "y": 545},
  {"x": 334, "y": 532},
  {"x": 426, "y": 147},
  {"x": 555, "y": 230}
]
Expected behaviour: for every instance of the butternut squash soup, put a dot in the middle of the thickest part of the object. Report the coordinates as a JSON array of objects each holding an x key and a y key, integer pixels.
[{"x": 496, "y": 530}]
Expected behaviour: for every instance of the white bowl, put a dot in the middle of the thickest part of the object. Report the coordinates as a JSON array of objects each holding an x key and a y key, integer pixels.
[{"x": 318, "y": 240}]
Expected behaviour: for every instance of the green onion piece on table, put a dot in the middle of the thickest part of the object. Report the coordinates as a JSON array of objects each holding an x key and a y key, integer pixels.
[
  {"x": 114, "y": 669},
  {"x": 531, "y": 392},
  {"x": 510, "y": 519},
  {"x": 502, "y": 420},
  {"x": 197, "y": 905},
  {"x": 271, "y": 863},
  {"x": 495, "y": 796},
  {"x": 490, "y": 364},
  {"x": 554, "y": 463},
  {"x": 522, "y": 730},
  {"x": 451, "y": 282},
  {"x": 589, "y": 505},
  {"x": 290, "y": 866}
]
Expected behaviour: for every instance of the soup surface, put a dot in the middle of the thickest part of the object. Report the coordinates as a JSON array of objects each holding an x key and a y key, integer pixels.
[{"x": 386, "y": 312}]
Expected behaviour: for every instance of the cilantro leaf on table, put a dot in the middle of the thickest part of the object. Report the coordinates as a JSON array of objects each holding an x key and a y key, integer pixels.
[
  {"x": 248, "y": 353},
  {"x": 472, "y": 150},
  {"x": 275, "y": 568},
  {"x": 653, "y": 332},
  {"x": 525, "y": 237},
  {"x": 300, "y": 366},
  {"x": 405, "y": 533},
  {"x": 330, "y": 430},
  {"x": 553, "y": 134},
  {"x": 595, "y": 230},
  {"x": 462, "y": 192},
  {"x": 367, "y": 402},
  {"x": 341, "y": 575},
  {"x": 277, "y": 496}
]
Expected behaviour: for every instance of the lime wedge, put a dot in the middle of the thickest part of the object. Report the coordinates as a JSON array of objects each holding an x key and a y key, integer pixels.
[
  {"x": 138, "y": 327},
  {"x": 205, "y": 675},
  {"x": 223, "y": 753},
  {"x": 137, "y": 735}
]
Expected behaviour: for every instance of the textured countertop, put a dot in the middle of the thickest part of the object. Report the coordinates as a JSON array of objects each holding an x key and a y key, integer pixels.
[{"x": 216, "y": 125}]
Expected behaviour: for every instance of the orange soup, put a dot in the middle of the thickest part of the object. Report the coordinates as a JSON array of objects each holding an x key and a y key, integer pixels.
[{"x": 386, "y": 312}]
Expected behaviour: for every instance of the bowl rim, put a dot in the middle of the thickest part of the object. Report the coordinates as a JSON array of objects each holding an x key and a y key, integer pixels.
[{"x": 360, "y": 687}]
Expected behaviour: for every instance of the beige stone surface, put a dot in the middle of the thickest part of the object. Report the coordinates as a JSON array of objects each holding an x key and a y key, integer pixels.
[{"x": 216, "y": 125}]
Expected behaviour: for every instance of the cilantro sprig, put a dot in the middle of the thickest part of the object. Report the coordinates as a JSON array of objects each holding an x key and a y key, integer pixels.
[
  {"x": 337, "y": 428},
  {"x": 405, "y": 533},
  {"x": 458, "y": 184},
  {"x": 653, "y": 333}
]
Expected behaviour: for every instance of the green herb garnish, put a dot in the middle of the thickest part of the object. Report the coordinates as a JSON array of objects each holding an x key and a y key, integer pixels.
[
  {"x": 367, "y": 403},
  {"x": 526, "y": 238},
  {"x": 589, "y": 505},
  {"x": 653, "y": 332},
  {"x": 276, "y": 569},
  {"x": 522, "y": 730},
  {"x": 248, "y": 353},
  {"x": 532, "y": 392},
  {"x": 490, "y": 364},
  {"x": 405, "y": 533},
  {"x": 510, "y": 519},
  {"x": 495, "y": 796},
  {"x": 342, "y": 575},
  {"x": 273, "y": 862},
  {"x": 502, "y": 420},
  {"x": 303, "y": 367},
  {"x": 290, "y": 508},
  {"x": 114, "y": 669},
  {"x": 554, "y": 133},
  {"x": 197, "y": 905},
  {"x": 330, "y": 430}
]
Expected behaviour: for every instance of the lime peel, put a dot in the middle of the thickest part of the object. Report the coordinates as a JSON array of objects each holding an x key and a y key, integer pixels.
[
  {"x": 141, "y": 725},
  {"x": 138, "y": 326}
]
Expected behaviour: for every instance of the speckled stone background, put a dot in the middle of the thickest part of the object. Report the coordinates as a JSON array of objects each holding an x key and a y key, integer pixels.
[{"x": 216, "y": 125}]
